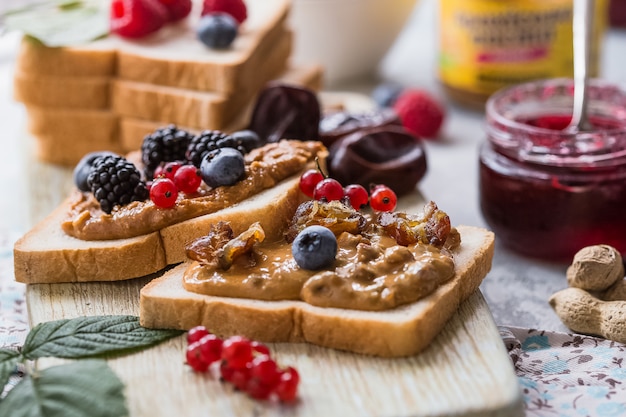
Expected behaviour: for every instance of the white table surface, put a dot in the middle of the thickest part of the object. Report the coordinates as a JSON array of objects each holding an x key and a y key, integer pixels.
[{"x": 517, "y": 288}]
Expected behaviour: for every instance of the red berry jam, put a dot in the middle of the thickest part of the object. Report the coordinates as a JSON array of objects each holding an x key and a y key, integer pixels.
[{"x": 545, "y": 191}]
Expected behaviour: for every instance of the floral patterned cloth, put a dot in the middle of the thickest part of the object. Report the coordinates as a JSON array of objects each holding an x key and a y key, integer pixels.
[
  {"x": 561, "y": 375},
  {"x": 564, "y": 375}
]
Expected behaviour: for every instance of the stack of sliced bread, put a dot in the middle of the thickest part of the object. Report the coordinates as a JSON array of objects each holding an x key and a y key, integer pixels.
[{"x": 108, "y": 94}]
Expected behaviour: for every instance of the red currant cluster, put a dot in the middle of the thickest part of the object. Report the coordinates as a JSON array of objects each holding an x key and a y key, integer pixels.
[
  {"x": 245, "y": 363},
  {"x": 380, "y": 198},
  {"x": 171, "y": 178}
]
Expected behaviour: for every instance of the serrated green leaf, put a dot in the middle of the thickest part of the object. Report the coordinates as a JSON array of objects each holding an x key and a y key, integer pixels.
[
  {"x": 8, "y": 361},
  {"x": 86, "y": 388},
  {"x": 61, "y": 23},
  {"x": 91, "y": 336}
]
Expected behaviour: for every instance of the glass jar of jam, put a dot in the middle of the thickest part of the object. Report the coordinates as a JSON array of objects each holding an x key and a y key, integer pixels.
[{"x": 544, "y": 190}]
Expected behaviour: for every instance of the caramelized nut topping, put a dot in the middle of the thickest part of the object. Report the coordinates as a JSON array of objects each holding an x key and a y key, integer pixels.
[
  {"x": 432, "y": 227},
  {"x": 335, "y": 215}
]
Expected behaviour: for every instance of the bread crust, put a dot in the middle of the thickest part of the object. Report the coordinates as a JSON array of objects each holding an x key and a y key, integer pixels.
[{"x": 402, "y": 331}]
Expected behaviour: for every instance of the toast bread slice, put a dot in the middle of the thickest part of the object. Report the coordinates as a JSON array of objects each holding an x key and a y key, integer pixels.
[
  {"x": 64, "y": 135},
  {"x": 402, "y": 331},
  {"x": 172, "y": 56},
  {"x": 149, "y": 101},
  {"x": 196, "y": 109},
  {"x": 46, "y": 254}
]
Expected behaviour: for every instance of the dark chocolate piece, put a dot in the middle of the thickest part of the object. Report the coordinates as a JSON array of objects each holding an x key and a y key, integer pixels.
[
  {"x": 284, "y": 111},
  {"x": 383, "y": 155},
  {"x": 336, "y": 125}
]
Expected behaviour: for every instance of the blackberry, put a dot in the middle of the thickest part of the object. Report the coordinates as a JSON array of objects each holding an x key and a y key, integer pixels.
[
  {"x": 116, "y": 181},
  {"x": 208, "y": 141},
  {"x": 166, "y": 144}
]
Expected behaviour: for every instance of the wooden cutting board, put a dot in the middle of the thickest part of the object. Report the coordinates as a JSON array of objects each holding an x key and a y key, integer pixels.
[{"x": 465, "y": 372}]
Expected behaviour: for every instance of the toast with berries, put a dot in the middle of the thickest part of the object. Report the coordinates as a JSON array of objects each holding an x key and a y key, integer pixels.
[
  {"x": 171, "y": 56},
  {"x": 82, "y": 240},
  {"x": 401, "y": 331}
]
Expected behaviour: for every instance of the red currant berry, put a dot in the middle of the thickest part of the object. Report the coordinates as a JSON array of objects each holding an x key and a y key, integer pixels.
[
  {"x": 211, "y": 348},
  {"x": 194, "y": 358},
  {"x": 265, "y": 370},
  {"x": 163, "y": 192},
  {"x": 328, "y": 189},
  {"x": 383, "y": 198},
  {"x": 309, "y": 180},
  {"x": 287, "y": 387},
  {"x": 358, "y": 196},
  {"x": 257, "y": 390},
  {"x": 237, "y": 351},
  {"x": 260, "y": 348},
  {"x": 187, "y": 178},
  {"x": 168, "y": 170},
  {"x": 238, "y": 377},
  {"x": 196, "y": 333}
]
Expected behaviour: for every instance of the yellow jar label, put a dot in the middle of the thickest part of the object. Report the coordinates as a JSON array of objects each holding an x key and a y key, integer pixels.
[{"x": 489, "y": 44}]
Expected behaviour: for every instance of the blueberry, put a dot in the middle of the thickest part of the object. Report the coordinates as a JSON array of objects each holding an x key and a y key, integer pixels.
[
  {"x": 385, "y": 94},
  {"x": 314, "y": 248},
  {"x": 222, "y": 166},
  {"x": 248, "y": 139},
  {"x": 82, "y": 169},
  {"x": 217, "y": 30}
]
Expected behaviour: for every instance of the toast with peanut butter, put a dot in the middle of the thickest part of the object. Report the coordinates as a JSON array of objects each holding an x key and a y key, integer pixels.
[
  {"x": 83, "y": 240},
  {"x": 382, "y": 294}
]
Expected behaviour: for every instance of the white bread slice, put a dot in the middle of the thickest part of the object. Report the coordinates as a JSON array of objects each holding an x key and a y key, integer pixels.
[
  {"x": 47, "y": 255},
  {"x": 64, "y": 135},
  {"x": 402, "y": 331},
  {"x": 66, "y": 92},
  {"x": 149, "y": 101},
  {"x": 133, "y": 130},
  {"x": 172, "y": 56},
  {"x": 196, "y": 109}
]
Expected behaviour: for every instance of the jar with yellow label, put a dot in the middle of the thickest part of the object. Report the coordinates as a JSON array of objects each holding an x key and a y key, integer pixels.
[{"x": 485, "y": 45}]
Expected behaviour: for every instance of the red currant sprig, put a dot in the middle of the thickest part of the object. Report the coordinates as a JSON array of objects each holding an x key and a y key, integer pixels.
[{"x": 245, "y": 363}]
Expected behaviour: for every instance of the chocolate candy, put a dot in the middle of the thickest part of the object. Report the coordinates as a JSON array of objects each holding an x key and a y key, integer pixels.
[
  {"x": 383, "y": 155},
  {"x": 284, "y": 111},
  {"x": 336, "y": 125}
]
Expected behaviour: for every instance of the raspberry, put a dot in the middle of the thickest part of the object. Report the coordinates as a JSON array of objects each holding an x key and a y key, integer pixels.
[
  {"x": 420, "y": 113},
  {"x": 137, "y": 18},
  {"x": 235, "y": 8}
]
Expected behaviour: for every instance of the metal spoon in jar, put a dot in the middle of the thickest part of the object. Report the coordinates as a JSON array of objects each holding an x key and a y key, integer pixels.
[{"x": 583, "y": 31}]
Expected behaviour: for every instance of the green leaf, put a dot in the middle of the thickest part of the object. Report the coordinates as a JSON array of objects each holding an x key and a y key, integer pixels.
[
  {"x": 91, "y": 336},
  {"x": 61, "y": 22},
  {"x": 8, "y": 361},
  {"x": 86, "y": 388}
]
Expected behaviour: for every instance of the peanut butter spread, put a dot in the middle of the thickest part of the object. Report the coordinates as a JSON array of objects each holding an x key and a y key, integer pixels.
[
  {"x": 371, "y": 271},
  {"x": 265, "y": 167}
]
